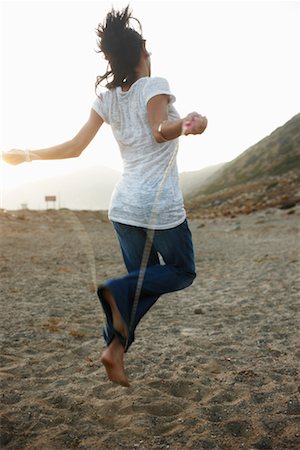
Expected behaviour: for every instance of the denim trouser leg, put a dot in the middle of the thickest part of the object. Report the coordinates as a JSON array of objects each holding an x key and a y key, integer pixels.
[{"x": 178, "y": 271}]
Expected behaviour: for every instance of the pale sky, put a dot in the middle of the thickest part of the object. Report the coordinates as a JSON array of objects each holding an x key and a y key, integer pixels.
[{"x": 237, "y": 62}]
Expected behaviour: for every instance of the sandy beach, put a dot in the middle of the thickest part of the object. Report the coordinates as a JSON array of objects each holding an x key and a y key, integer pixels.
[{"x": 215, "y": 366}]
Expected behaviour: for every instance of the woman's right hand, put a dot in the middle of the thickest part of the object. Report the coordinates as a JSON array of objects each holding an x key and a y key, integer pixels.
[
  {"x": 14, "y": 156},
  {"x": 194, "y": 123}
]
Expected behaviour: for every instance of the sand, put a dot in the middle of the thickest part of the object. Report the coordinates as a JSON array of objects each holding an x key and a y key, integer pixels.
[{"x": 215, "y": 366}]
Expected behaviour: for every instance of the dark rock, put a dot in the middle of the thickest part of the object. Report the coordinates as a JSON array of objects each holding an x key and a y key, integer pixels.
[
  {"x": 293, "y": 406},
  {"x": 198, "y": 311},
  {"x": 288, "y": 204},
  {"x": 245, "y": 375}
]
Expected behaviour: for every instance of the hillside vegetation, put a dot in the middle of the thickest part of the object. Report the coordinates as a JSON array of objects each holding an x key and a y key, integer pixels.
[{"x": 267, "y": 174}]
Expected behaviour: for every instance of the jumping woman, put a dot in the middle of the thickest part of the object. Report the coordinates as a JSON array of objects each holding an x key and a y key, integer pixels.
[{"x": 146, "y": 208}]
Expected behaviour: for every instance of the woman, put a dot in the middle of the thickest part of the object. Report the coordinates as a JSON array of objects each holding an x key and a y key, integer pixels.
[{"x": 146, "y": 208}]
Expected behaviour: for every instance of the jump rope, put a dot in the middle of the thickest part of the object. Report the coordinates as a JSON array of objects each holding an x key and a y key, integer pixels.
[{"x": 150, "y": 232}]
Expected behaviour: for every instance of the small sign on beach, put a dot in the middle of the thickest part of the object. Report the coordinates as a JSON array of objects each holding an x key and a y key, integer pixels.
[{"x": 50, "y": 198}]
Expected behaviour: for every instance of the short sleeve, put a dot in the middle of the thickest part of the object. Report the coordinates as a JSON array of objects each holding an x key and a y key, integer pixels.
[
  {"x": 100, "y": 106},
  {"x": 156, "y": 86}
]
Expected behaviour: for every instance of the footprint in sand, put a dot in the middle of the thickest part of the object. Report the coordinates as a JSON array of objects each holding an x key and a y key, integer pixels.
[
  {"x": 164, "y": 408},
  {"x": 226, "y": 396},
  {"x": 7, "y": 430},
  {"x": 180, "y": 389},
  {"x": 238, "y": 428},
  {"x": 215, "y": 413},
  {"x": 11, "y": 398}
]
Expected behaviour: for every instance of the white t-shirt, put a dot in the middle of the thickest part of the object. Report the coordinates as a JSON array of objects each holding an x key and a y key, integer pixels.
[{"x": 134, "y": 200}]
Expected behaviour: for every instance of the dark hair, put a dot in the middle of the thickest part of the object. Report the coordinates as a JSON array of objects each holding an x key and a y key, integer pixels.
[{"x": 121, "y": 45}]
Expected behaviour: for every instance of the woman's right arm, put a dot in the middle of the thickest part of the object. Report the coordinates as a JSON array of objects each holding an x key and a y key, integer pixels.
[
  {"x": 69, "y": 149},
  {"x": 164, "y": 129}
]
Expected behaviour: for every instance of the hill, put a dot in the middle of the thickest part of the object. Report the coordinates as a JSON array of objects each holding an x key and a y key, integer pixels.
[
  {"x": 192, "y": 181},
  {"x": 267, "y": 174},
  {"x": 89, "y": 189}
]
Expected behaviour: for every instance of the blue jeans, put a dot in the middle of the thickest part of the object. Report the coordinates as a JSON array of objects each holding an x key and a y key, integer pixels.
[{"x": 177, "y": 272}]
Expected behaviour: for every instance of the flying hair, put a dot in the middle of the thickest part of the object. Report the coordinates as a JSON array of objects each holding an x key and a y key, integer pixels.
[{"x": 121, "y": 45}]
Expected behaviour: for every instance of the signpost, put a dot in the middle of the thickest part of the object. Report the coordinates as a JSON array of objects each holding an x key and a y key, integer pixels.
[{"x": 50, "y": 198}]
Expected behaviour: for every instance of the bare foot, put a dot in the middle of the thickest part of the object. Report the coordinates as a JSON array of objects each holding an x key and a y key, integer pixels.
[
  {"x": 113, "y": 357},
  {"x": 113, "y": 361},
  {"x": 118, "y": 322}
]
